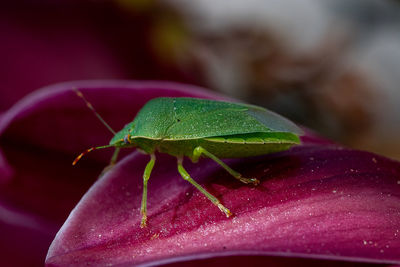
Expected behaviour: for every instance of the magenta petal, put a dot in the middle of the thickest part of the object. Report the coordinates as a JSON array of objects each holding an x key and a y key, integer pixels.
[
  {"x": 321, "y": 202},
  {"x": 316, "y": 201},
  {"x": 24, "y": 237}
]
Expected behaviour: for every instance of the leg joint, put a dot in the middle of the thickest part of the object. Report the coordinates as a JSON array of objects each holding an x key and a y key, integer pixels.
[
  {"x": 183, "y": 173},
  {"x": 197, "y": 153}
]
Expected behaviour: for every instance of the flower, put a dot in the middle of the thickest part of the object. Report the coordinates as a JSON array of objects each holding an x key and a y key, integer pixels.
[{"x": 316, "y": 202}]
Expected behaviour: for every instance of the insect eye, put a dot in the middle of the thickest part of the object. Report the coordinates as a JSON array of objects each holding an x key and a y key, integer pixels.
[{"x": 126, "y": 139}]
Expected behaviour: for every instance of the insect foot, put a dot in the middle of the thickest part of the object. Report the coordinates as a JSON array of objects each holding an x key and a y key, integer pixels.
[
  {"x": 253, "y": 181},
  {"x": 143, "y": 223},
  {"x": 222, "y": 208}
]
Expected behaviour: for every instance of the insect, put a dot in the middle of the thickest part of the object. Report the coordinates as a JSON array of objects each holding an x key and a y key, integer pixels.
[{"x": 194, "y": 128}]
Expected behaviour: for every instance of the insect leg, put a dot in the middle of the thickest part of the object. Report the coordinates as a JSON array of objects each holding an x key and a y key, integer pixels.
[
  {"x": 200, "y": 150},
  {"x": 114, "y": 156},
  {"x": 146, "y": 176},
  {"x": 213, "y": 199}
]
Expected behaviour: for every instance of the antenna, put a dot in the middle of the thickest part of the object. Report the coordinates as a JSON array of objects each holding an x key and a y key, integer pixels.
[
  {"x": 89, "y": 105},
  {"x": 87, "y": 151}
]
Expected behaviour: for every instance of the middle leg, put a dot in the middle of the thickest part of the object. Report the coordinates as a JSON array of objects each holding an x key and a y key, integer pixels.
[{"x": 213, "y": 199}]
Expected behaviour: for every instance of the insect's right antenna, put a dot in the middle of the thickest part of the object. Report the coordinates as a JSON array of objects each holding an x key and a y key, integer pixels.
[{"x": 79, "y": 93}]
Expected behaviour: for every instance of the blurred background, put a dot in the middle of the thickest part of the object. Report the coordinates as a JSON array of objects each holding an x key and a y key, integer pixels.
[{"x": 333, "y": 66}]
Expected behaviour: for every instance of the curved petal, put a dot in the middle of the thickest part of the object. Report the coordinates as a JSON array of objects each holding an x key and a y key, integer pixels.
[
  {"x": 322, "y": 202},
  {"x": 24, "y": 236}
]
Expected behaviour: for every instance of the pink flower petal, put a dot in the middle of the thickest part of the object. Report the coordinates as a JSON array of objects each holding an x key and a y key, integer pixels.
[
  {"x": 319, "y": 202},
  {"x": 316, "y": 201}
]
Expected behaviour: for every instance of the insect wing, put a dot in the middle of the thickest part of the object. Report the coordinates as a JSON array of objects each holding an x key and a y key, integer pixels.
[
  {"x": 273, "y": 121},
  {"x": 197, "y": 118}
]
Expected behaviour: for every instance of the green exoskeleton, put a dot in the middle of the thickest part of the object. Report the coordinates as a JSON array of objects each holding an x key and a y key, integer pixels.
[{"x": 191, "y": 127}]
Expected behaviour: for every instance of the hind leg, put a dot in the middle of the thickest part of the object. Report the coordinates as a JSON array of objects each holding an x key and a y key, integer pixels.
[{"x": 198, "y": 151}]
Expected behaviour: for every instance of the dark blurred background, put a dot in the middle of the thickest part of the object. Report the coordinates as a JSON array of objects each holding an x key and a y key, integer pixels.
[{"x": 333, "y": 66}]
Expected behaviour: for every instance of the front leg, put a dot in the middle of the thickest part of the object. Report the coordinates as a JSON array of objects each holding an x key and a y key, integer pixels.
[
  {"x": 198, "y": 151},
  {"x": 146, "y": 176}
]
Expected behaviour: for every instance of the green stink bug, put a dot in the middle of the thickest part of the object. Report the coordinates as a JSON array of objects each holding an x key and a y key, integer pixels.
[{"x": 193, "y": 128}]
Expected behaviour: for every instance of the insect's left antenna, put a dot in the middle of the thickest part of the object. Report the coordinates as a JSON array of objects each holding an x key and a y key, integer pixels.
[
  {"x": 89, "y": 105},
  {"x": 87, "y": 151}
]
